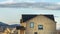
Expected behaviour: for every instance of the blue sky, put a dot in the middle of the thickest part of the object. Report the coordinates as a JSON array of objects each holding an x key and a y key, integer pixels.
[
  {"x": 29, "y": 1},
  {"x": 9, "y": 15}
]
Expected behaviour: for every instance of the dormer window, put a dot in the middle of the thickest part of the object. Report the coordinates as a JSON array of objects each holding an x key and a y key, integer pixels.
[{"x": 31, "y": 24}]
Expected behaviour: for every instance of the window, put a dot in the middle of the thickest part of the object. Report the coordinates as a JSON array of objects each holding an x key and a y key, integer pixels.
[
  {"x": 40, "y": 27},
  {"x": 31, "y": 24},
  {"x": 35, "y": 32}
]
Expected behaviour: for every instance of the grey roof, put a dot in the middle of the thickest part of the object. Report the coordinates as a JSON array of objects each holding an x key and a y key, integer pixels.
[
  {"x": 26, "y": 17},
  {"x": 20, "y": 27}
]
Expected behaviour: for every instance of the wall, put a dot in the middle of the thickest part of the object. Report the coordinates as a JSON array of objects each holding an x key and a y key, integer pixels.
[
  {"x": 23, "y": 24},
  {"x": 49, "y": 26}
]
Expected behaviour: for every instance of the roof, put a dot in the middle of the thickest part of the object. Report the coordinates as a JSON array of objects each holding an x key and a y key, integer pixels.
[
  {"x": 26, "y": 17},
  {"x": 20, "y": 27}
]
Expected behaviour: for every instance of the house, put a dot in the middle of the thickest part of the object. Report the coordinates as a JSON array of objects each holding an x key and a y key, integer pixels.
[
  {"x": 7, "y": 31},
  {"x": 1, "y": 30},
  {"x": 10, "y": 31},
  {"x": 37, "y": 24}
]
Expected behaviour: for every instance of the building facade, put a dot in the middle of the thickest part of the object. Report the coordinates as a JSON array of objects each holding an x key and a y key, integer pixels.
[{"x": 37, "y": 24}]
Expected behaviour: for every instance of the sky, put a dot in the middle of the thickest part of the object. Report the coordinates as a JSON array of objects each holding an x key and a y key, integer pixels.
[
  {"x": 31, "y": 0},
  {"x": 18, "y": 1},
  {"x": 13, "y": 15}
]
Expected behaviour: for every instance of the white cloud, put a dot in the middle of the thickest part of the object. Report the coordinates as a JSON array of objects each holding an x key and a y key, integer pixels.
[
  {"x": 16, "y": 1},
  {"x": 26, "y": 1},
  {"x": 44, "y": 5},
  {"x": 7, "y": 2}
]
